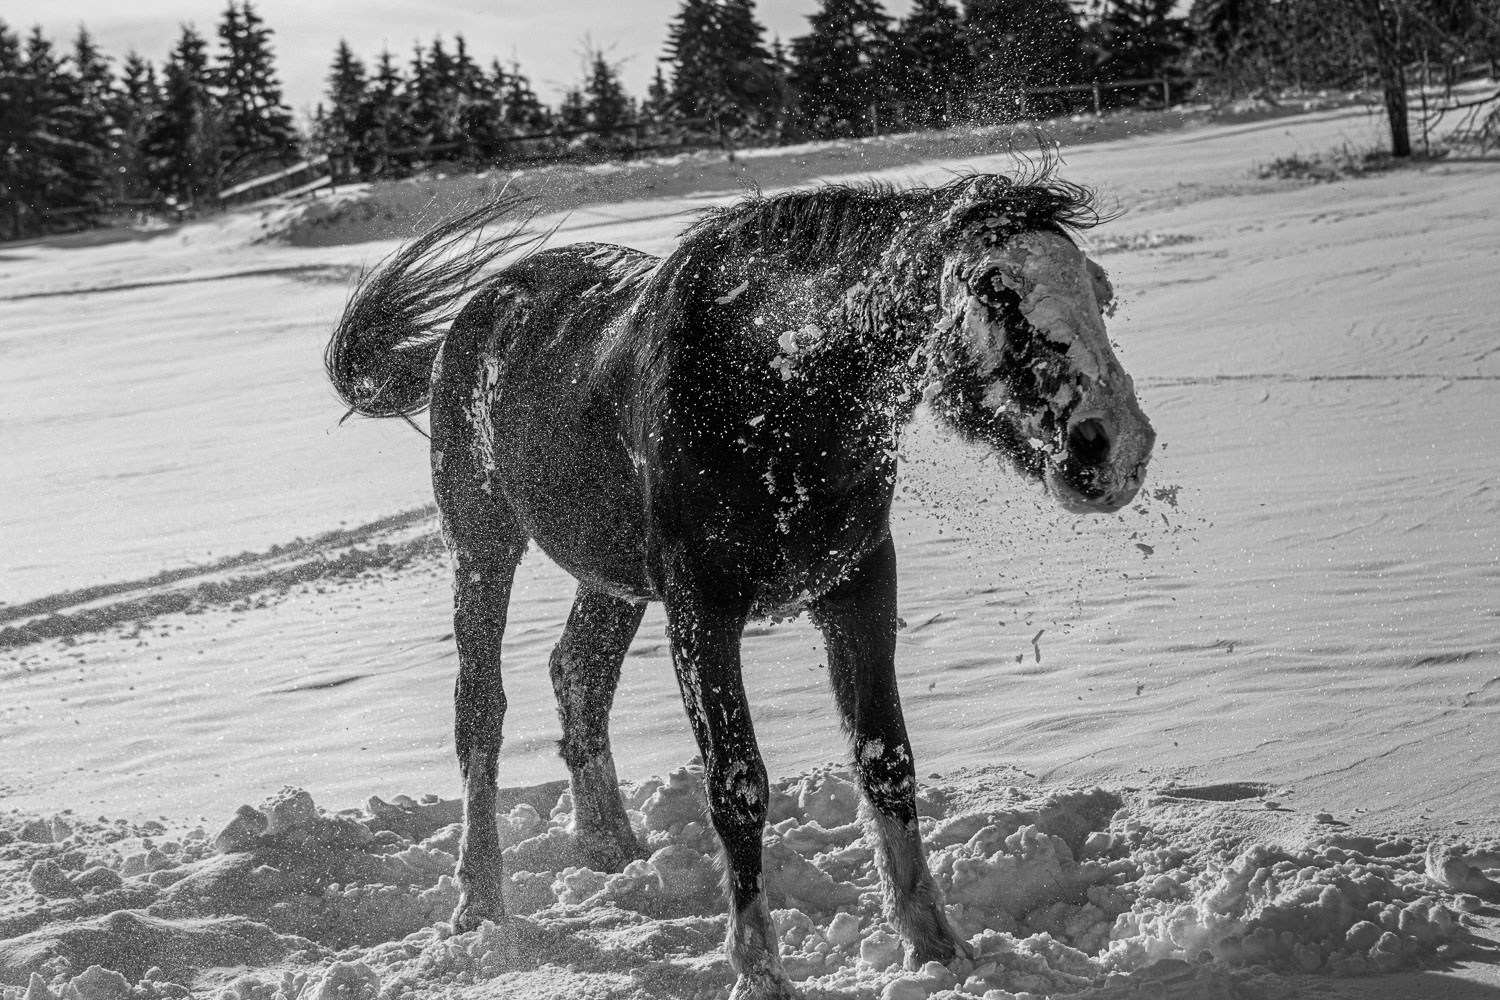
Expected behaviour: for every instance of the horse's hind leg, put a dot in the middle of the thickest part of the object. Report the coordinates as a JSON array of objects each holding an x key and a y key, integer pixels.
[
  {"x": 585, "y": 673},
  {"x": 858, "y": 621},
  {"x": 485, "y": 556},
  {"x": 486, "y": 542}
]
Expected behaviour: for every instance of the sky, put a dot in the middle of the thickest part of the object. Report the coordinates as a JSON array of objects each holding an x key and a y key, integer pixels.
[{"x": 548, "y": 39}]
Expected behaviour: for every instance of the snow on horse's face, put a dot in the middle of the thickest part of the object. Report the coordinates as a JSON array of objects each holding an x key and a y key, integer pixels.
[{"x": 1024, "y": 339}]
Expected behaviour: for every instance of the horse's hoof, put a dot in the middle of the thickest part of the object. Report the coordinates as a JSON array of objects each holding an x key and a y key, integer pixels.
[
  {"x": 764, "y": 986},
  {"x": 943, "y": 949},
  {"x": 471, "y": 912}
]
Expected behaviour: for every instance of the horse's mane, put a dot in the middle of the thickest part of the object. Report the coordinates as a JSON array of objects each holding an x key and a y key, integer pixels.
[
  {"x": 853, "y": 224},
  {"x": 808, "y": 224},
  {"x": 851, "y": 219}
]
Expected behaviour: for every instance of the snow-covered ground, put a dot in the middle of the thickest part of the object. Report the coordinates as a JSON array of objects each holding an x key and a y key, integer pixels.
[{"x": 1302, "y": 618}]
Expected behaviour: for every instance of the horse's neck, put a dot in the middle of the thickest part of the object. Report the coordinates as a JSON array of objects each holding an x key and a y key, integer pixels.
[{"x": 889, "y": 316}]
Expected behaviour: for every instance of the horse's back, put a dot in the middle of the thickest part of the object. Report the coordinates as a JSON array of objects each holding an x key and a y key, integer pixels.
[{"x": 529, "y": 407}]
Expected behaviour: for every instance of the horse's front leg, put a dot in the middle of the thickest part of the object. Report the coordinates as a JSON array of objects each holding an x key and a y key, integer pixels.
[
  {"x": 858, "y": 621},
  {"x": 706, "y": 653}
]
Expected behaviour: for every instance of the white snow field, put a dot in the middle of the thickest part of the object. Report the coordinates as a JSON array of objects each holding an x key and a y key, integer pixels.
[{"x": 1236, "y": 741}]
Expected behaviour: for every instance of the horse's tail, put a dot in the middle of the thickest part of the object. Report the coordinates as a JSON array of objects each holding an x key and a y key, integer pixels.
[{"x": 380, "y": 356}]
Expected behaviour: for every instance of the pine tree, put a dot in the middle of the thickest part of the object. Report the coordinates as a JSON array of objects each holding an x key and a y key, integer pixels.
[
  {"x": 934, "y": 62},
  {"x": 23, "y": 131},
  {"x": 340, "y": 128},
  {"x": 842, "y": 66},
  {"x": 258, "y": 128},
  {"x": 95, "y": 126},
  {"x": 573, "y": 113},
  {"x": 781, "y": 69},
  {"x": 388, "y": 111},
  {"x": 1136, "y": 39},
  {"x": 437, "y": 94},
  {"x": 477, "y": 105},
  {"x": 1025, "y": 43},
  {"x": 523, "y": 112},
  {"x": 720, "y": 67},
  {"x": 184, "y": 141},
  {"x": 657, "y": 107},
  {"x": 420, "y": 100},
  {"x": 14, "y": 124},
  {"x": 57, "y": 180},
  {"x": 467, "y": 76},
  {"x": 1238, "y": 41},
  {"x": 606, "y": 105},
  {"x": 133, "y": 105},
  {"x": 479, "y": 114}
]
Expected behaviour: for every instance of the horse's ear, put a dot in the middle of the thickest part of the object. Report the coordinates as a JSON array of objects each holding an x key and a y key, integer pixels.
[{"x": 1104, "y": 292}]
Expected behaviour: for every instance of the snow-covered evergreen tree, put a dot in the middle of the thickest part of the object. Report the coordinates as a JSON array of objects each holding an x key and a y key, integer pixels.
[
  {"x": 934, "y": 63},
  {"x": 61, "y": 140},
  {"x": 1135, "y": 39},
  {"x": 1025, "y": 43},
  {"x": 606, "y": 105},
  {"x": 343, "y": 120},
  {"x": 134, "y": 103},
  {"x": 258, "y": 129},
  {"x": 388, "y": 108},
  {"x": 843, "y": 66},
  {"x": 184, "y": 140},
  {"x": 721, "y": 69},
  {"x": 523, "y": 110},
  {"x": 95, "y": 126}
]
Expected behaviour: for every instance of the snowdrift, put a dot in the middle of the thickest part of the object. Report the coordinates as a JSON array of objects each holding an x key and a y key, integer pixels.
[{"x": 1079, "y": 892}]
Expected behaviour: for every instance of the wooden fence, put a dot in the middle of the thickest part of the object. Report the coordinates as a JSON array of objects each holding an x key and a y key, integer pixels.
[
  {"x": 299, "y": 178},
  {"x": 324, "y": 171}
]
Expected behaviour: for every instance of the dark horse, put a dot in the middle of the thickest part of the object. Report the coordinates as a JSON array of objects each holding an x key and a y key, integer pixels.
[{"x": 717, "y": 430}]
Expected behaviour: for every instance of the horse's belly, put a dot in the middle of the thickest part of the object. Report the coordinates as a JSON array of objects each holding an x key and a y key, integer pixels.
[
  {"x": 604, "y": 561},
  {"x": 575, "y": 495}
]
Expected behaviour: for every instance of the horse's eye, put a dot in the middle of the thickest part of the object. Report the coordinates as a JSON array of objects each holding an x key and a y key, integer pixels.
[{"x": 990, "y": 288}]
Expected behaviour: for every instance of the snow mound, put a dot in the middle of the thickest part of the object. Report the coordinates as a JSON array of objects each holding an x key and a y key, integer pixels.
[{"x": 1077, "y": 892}]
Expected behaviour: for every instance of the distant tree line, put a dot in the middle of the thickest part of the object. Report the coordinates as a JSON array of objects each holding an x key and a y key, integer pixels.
[
  {"x": 856, "y": 70},
  {"x": 81, "y": 138}
]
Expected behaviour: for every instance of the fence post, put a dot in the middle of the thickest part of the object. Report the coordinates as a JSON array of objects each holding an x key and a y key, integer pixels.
[
  {"x": 948, "y": 106},
  {"x": 1098, "y": 108},
  {"x": 1166, "y": 93},
  {"x": 874, "y": 118},
  {"x": 1426, "y": 145}
]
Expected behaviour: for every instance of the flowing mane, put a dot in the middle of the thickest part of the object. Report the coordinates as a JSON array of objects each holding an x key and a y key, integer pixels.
[{"x": 856, "y": 219}]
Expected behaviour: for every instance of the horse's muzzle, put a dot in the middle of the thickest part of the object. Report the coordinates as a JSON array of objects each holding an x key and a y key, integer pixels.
[{"x": 1103, "y": 466}]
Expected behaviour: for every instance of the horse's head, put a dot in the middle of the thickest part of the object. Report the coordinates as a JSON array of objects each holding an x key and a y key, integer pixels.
[{"x": 1020, "y": 358}]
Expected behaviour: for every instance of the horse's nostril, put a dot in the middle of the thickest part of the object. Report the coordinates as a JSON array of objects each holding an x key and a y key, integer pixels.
[{"x": 1088, "y": 442}]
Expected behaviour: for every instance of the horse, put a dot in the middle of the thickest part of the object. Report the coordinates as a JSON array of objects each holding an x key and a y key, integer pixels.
[{"x": 717, "y": 430}]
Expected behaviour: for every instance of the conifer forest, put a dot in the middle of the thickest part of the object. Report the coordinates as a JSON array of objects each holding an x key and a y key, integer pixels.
[{"x": 87, "y": 137}]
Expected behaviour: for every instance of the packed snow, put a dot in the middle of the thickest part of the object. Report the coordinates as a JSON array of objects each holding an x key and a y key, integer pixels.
[{"x": 1236, "y": 741}]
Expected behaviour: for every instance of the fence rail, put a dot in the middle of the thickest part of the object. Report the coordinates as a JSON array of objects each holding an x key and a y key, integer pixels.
[{"x": 276, "y": 182}]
